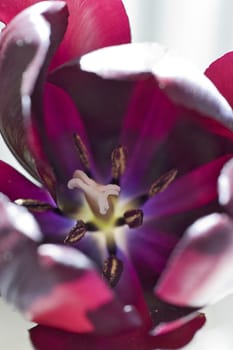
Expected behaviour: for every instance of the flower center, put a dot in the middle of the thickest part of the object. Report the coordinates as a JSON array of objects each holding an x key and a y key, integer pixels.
[
  {"x": 99, "y": 197},
  {"x": 104, "y": 213}
]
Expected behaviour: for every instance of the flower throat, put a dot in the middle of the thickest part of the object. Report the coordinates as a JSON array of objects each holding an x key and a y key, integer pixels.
[{"x": 105, "y": 211}]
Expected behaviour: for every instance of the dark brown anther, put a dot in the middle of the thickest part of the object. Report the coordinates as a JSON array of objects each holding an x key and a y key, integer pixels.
[
  {"x": 119, "y": 160},
  {"x": 112, "y": 270},
  {"x": 82, "y": 151},
  {"x": 35, "y": 205},
  {"x": 162, "y": 183},
  {"x": 133, "y": 218},
  {"x": 77, "y": 233}
]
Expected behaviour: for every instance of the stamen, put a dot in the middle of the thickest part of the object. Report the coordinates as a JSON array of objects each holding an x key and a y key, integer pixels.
[
  {"x": 83, "y": 152},
  {"x": 35, "y": 205},
  {"x": 133, "y": 218},
  {"x": 77, "y": 233},
  {"x": 119, "y": 160},
  {"x": 112, "y": 270},
  {"x": 95, "y": 193},
  {"x": 163, "y": 182}
]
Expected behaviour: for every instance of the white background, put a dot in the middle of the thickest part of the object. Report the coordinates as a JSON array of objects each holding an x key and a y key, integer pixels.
[{"x": 199, "y": 30}]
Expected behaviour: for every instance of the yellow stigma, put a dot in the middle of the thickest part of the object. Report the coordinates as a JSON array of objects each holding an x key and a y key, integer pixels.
[{"x": 97, "y": 195}]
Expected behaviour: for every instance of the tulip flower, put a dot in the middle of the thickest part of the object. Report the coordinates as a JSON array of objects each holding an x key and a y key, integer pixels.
[{"x": 107, "y": 248}]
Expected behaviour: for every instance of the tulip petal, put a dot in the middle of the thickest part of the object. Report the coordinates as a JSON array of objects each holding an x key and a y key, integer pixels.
[
  {"x": 149, "y": 250},
  {"x": 225, "y": 186},
  {"x": 46, "y": 23},
  {"x": 220, "y": 73},
  {"x": 45, "y": 338},
  {"x": 54, "y": 285},
  {"x": 133, "y": 99},
  {"x": 16, "y": 187},
  {"x": 178, "y": 333},
  {"x": 8, "y": 12},
  {"x": 54, "y": 129},
  {"x": 24, "y": 46},
  {"x": 54, "y": 226},
  {"x": 99, "y": 102},
  {"x": 177, "y": 78},
  {"x": 189, "y": 191},
  {"x": 165, "y": 337},
  {"x": 200, "y": 269},
  {"x": 91, "y": 25}
]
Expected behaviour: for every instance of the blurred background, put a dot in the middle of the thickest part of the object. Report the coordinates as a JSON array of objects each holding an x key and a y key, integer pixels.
[{"x": 200, "y": 30}]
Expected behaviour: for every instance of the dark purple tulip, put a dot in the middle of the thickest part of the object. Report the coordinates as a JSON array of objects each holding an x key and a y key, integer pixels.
[{"x": 126, "y": 143}]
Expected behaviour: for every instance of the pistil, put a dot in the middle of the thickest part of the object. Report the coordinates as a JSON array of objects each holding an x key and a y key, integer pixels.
[{"x": 97, "y": 196}]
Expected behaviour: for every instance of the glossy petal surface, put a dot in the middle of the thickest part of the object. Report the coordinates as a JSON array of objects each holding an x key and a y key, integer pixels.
[
  {"x": 45, "y": 338},
  {"x": 200, "y": 269},
  {"x": 91, "y": 25},
  {"x": 179, "y": 80},
  {"x": 220, "y": 72},
  {"x": 24, "y": 47},
  {"x": 225, "y": 186}
]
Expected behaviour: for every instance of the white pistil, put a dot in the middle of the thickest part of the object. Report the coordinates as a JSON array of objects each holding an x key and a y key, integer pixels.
[{"x": 95, "y": 193}]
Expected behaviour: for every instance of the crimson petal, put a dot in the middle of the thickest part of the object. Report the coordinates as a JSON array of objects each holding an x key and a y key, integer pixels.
[
  {"x": 193, "y": 190},
  {"x": 24, "y": 46},
  {"x": 225, "y": 186},
  {"x": 177, "y": 78},
  {"x": 199, "y": 271},
  {"x": 29, "y": 55},
  {"x": 8, "y": 12},
  {"x": 178, "y": 333},
  {"x": 15, "y": 186},
  {"x": 119, "y": 87},
  {"x": 169, "y": 336},
  {"x": 54, "y": 285},
  {"x": 91, "y": 25},
  {"x": 220, "y": 72}
]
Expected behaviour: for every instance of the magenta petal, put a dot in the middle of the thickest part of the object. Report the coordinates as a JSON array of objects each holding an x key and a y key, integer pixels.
[
  {"x": 165, "y": 337},
  {"x": 54, "y": 226},
  {"x": 225, "y": 186},
  {"x": 190, "y": 191},
  {"x": 92, "y": 25},
  {"x": 78, "y": 303},
  {"x": 54, "y": 128},
  {"x": 149, "y": 250},
  {"x": 220, "y": 72},
  {"x": 55, "y": 285},
  {"x": 177, "y": 334},
  {"x": 119, "y": 95},
  {"x": 200, "y": 269},
  {"x": 99, "y": 102},
  {"x": 25, "y": 44},
  {"x": 45, "y": 338},
  {"x": 144, "y": 130},
  {"x": 16, "y": 186},
  {"x": 8, "y": 12},
  {"x": 177, "y": 78}
]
